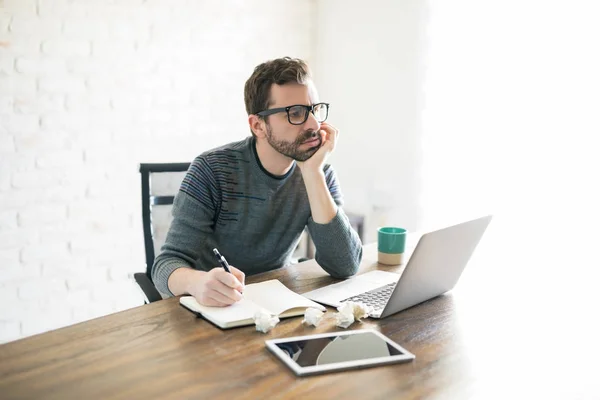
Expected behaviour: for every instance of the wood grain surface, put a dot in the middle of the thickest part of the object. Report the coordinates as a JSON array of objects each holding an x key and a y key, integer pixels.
[{"x": 469, "y": 343}]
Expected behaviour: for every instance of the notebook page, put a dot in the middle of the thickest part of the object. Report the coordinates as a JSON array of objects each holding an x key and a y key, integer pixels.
[
  {"x": 275, "y": 297},
  {"x": 242, "y": 310}
]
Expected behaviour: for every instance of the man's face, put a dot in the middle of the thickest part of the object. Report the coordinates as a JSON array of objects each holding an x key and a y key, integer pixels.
[{"x": 298, "y": 142}]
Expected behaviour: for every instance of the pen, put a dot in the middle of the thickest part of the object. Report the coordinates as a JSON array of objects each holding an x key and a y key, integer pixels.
[{"x": 222, "y": 260}]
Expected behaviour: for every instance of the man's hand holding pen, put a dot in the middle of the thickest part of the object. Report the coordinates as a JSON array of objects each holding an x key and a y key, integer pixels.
[{"x": 218, "y": 287}]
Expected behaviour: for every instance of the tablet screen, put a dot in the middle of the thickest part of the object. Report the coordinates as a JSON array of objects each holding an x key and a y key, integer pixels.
[{"x": 337, "y": 350}]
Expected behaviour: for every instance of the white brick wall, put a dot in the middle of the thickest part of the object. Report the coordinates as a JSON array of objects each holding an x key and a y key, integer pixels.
[{"x": 87, "y": 91}]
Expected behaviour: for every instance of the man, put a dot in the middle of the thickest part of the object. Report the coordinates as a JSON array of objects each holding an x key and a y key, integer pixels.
[{"x": 252, "y": 199}]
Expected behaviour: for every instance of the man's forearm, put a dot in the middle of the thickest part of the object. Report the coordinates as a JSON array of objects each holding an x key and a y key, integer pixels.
[
  {"x": 322, "y": 206},
  {"x": 181, "y": 279}
]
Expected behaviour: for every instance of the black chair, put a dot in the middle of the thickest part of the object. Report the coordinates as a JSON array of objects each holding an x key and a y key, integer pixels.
[{"x": 160, "y": 183}]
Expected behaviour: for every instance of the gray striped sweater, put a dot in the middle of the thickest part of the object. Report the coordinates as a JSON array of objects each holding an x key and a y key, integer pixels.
[{"x": 229, "y": 201}]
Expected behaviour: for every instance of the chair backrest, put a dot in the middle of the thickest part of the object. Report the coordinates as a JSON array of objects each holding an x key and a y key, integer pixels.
[{"x": 160, "y": 184}]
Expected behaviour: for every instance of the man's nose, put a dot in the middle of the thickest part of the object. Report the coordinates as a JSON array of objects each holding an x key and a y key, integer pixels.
[{"x": 312, "y": 123}]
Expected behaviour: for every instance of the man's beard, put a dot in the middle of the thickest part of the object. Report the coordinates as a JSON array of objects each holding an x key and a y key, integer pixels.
[{"x": 292, "y": 149}]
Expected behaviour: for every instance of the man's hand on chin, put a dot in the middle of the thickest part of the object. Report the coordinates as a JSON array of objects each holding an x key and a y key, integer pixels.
[{"x": 329, "y": 135}]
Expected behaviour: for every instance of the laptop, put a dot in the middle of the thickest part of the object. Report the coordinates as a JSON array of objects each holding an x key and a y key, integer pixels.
[{"x": 433, "y": 269}]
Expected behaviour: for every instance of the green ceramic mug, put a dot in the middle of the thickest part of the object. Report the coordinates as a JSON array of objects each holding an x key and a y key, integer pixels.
[{"x": 391, "y": 242}]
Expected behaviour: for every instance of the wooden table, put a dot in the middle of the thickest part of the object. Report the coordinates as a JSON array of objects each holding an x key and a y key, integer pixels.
[{"x": 478, "y": 341}]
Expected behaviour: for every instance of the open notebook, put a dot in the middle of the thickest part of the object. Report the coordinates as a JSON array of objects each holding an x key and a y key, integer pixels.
[{"x": 272, "y": 296}]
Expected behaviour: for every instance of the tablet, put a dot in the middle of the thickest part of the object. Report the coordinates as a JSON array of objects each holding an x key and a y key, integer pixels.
[{"x": 335, "y": 351}]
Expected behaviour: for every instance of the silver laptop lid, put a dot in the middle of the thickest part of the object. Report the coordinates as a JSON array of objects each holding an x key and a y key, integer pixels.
[{"x": 436, "y": 264}]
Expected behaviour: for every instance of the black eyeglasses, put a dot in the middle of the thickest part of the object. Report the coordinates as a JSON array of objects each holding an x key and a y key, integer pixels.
[{"x": 298, "y": 114}]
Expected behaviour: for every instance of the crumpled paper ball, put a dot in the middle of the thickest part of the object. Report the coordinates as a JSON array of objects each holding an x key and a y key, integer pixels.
[
  {"x": 265, "y": 321},
  {"x": 350, "y": 312},
  {"x": 312, "y": 316}
]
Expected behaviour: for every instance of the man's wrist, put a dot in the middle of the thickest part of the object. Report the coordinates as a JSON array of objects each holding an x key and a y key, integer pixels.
[
  {"x": 192, "y": 279},
  {"x": 312, "y": 174}
]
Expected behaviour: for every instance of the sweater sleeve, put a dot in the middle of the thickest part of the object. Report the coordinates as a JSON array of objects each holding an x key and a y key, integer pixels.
[
  {"x": 338, "y": 247},
  {"x": 194, "y": 211}
]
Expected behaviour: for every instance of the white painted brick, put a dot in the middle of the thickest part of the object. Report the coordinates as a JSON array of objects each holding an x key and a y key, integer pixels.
[
  {"x": 82, "y": 176},
  {"x": 131, "y": 101},
  {"x": 135, "y": 262},
  {"x": 63, "y": 232},
  {"x": 106, "y": 292},
  {"x": 65, "y": 84},
  {"x": 93, "y": 137},
  {"x": 15, "y": 238},
  {"x": 170, "y": 31},
  {"x": 106, "y": 188},
  {"x": 172, "y": 99},
  {"x": 16, "y": 124},
  {"x": 102, "y": 256},
  {"x": 89, "y": 66},
  {"x": 110, "y": 85},
  {"x": 90, "y": 208},
  {"x": 8, "y": 219},
  {"x": 21, "y": 7},
  {"x": 64, "y": 268},
  {"x": 9, "y": 331},
  {"x": 17, "y": 313},
  {"x": 44, "y": 320},
  {"x": 63, "y": 194},
  {"x": 137, "y": 64},
  {"x": 40, "y": 252},
  {"x": 92, "y": 245},
  {"x": 133, "y": 297},
  {"x": 6, "y": 103},
  {"x": 7, "y": 65},
  {"x": 44, "y": 27},
  {"x": 129, "y": 28},
  {"x": 94, "y": 29},
  {"x": 112, "y": 49},
  {"x": 19, "y": 273},
  {"x": 21, "y": 45},
  {"x": 70, "y": 300},
  {"x": 65, "y": 121},
  {"x": 153, "y": 83},
  {"x": 41, "y": 142},
  {"x": 123, "y": 272},
  {"x": 9, "y": 257},
  {"x": 7, "y": 144},
  {"x": 42, "y": 214},
  {"x": 40, "y": 104},
  {"x": 91, "y": 311},
  {"x": 101, "y": 248},
  {"x": 62, "y": 8},
  {"x": 8, "y": 294},
  {"x": 101, "y": 83},
  {"x": 4, "y": 21},
  {"x": 40, "y": 66},
  {"x": 16, "y": 199},
  {"x": 39, "y": 179},
  {"x": 18, "y": 85},
  {"x": 87, "y": 280},
  {"x": 41, "y": 289},
  {"x": 103, "y": 156},
  {"x": 60, "y": 159},
  {"x": 67, "y": 48},
  {"x": 108, "y": 224},
  {"x": 87, "y": 102},
  {"x": 17, "y": 162}
]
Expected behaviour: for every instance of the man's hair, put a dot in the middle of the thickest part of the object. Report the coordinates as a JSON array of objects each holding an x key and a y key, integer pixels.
[{"x": 280, "y": 71}]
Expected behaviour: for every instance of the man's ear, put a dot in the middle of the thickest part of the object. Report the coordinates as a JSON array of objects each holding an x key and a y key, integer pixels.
[{"x": 257, "y": 125}]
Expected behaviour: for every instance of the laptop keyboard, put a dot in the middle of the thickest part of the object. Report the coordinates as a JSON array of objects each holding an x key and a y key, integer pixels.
[{"x": 376, "y": 298}]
